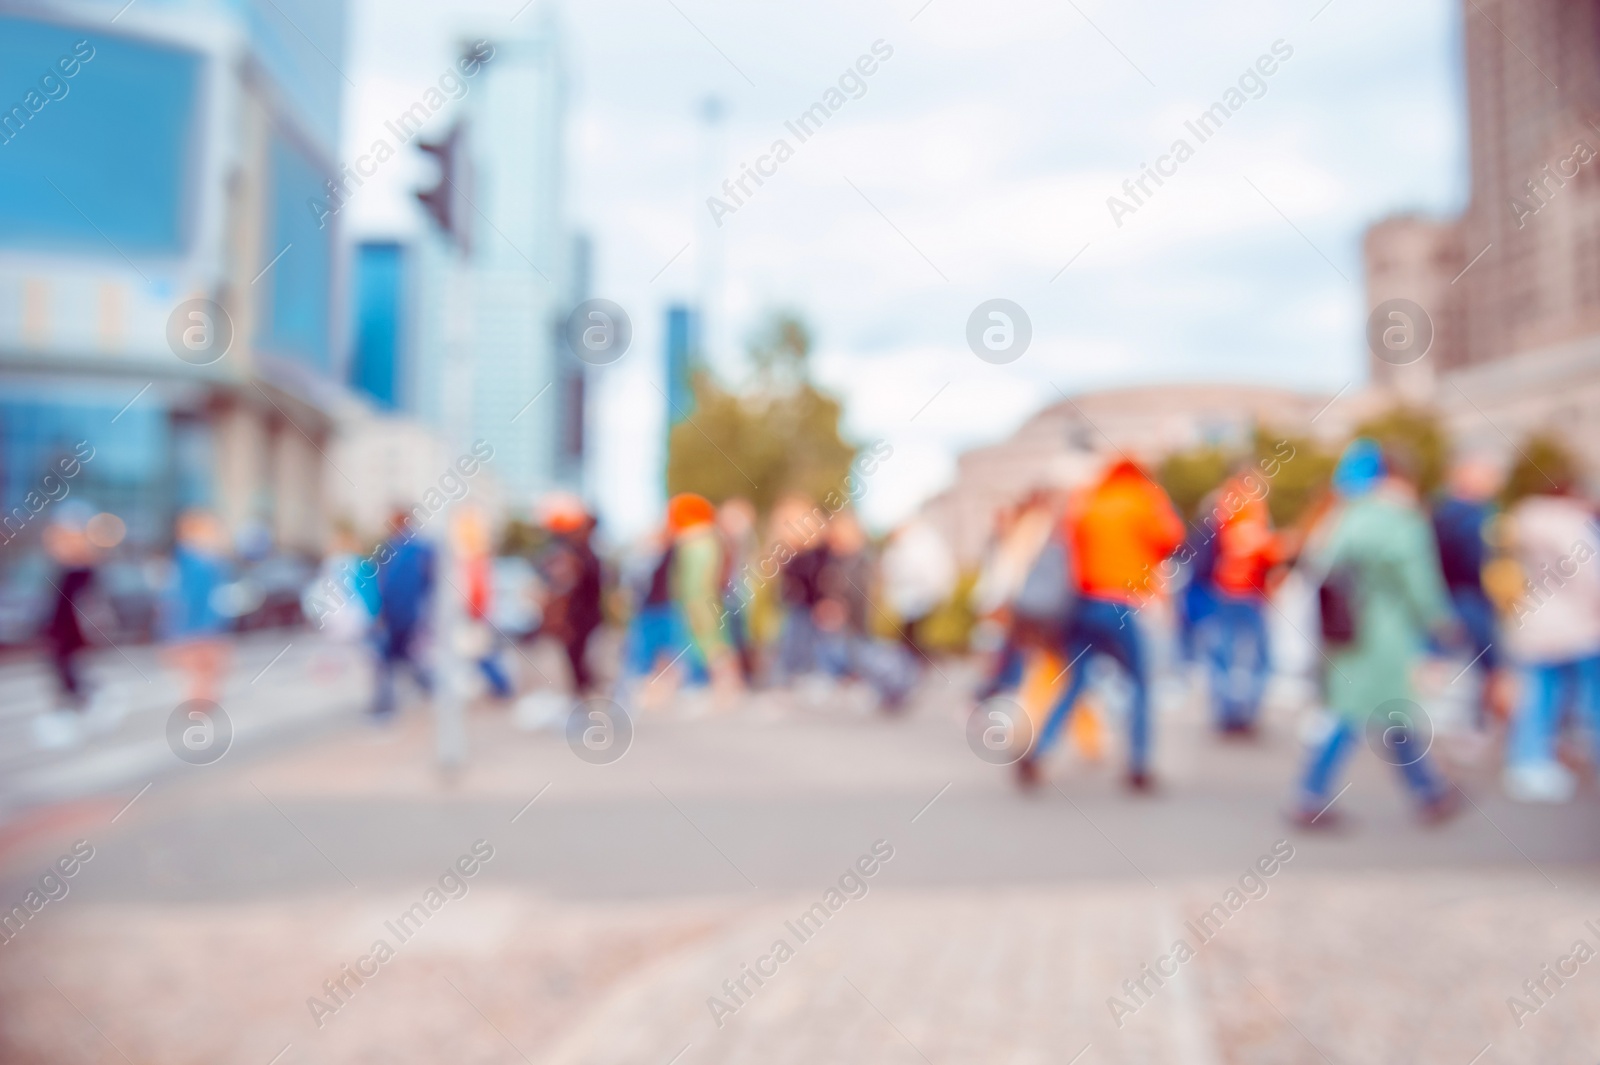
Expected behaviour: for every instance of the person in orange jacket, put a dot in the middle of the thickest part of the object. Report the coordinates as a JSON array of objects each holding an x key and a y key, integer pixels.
[
  {"x": 1236, "y": 641},
  {"x": 1120, "y": 530}
]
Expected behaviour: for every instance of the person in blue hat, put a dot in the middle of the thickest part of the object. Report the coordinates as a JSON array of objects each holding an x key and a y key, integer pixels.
[{"x": 1382, "y": 596}]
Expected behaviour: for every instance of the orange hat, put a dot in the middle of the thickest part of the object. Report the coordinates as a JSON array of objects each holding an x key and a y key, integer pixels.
[
  {"x": 686, "y": 510},
  {"x": 563, "y": 512}
]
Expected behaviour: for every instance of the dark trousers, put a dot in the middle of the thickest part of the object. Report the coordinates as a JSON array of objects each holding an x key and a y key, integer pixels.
[
  {"x": 64, "y": 658},
  {"x": 397, "y": 651},
  {"x": 577, "y": 647}
]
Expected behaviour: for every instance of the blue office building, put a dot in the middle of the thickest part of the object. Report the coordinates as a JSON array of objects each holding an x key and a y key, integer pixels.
[
  {"x": 683, "y": 361},
  {"x": 378, "y": 349},
  {"x": 167, "y": 297}
]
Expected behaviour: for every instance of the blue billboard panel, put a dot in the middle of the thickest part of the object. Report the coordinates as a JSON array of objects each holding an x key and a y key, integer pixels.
[{"x": 98, "y": 140}]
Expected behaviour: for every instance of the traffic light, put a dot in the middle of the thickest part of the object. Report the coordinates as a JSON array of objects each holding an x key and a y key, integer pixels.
[{"x": 446, "y": 203}]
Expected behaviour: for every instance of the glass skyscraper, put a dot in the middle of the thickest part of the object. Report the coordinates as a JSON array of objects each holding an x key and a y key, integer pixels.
[{"x": 148, "y": 161}]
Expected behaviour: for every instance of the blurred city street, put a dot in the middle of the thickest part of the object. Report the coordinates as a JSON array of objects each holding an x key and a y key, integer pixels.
[
  {"x": 620, "y": 896},
  {"x": 708, "y": 533}
]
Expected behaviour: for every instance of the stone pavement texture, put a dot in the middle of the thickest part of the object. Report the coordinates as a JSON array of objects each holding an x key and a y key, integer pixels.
[{"x": 619, "y": 901}]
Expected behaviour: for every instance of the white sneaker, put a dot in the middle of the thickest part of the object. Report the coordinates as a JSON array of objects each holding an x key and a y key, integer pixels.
[
  {"x": 694, "y": 703},
  {"x": 58, "y": 730},
  {"x": 542, "y": 710},
  {"x": 816, "y": 690},
  {"x": 1548, "y": 782}
]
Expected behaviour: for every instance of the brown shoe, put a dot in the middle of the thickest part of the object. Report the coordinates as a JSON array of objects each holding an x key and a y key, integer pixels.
[
  {"x": 1324, "y": 820},
  {"x": 1444, "y": 808},
  {"x": 1141, "y": 782},
  {"x": 1028, "y": 775}
]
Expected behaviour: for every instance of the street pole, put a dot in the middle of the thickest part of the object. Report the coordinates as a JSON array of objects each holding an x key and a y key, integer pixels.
[{"x": 449, "y": 703}]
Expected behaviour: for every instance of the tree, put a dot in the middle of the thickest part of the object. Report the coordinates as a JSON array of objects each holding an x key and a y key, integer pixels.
[
  {"x": 1416, "y": 435},
  {"x": 780, "y": 351},
  {"x": 1295, "y": 468},
  {"x": 1544, "y": 462},
  {"x": 1189, "y": 476},
  {"x": 779, "y": 436},
  {"x": 1298, "y": 471}
]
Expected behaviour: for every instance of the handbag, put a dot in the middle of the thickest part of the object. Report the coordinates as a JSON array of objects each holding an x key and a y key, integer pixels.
[
  {"x": 1049, "y": 589},
  {"x": 1336, "y": 606}
]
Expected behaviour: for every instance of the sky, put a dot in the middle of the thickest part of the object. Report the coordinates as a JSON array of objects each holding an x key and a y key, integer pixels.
[{"x": 977, "y": 163}]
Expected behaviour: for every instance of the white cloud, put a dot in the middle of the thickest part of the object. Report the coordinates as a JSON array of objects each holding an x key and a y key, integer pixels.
[{"x": 990, "y": 141}]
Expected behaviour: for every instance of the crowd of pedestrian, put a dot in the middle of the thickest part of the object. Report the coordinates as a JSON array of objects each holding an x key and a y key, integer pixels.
[
  {"x": 1078, "y": 583},
  {"x": 718, "y": 605},
  {"x": 1399, "y": 580}
]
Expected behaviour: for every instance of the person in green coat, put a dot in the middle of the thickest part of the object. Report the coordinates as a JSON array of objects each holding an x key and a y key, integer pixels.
[{"x": 1379, "y": 561}]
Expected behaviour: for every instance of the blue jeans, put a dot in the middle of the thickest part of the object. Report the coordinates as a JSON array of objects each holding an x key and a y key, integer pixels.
[
  {"x": 1547, "y": 689},
  {"x": 397, "y": 650},
  {"x": 836, "y": 653},
  {"x": 1106, "y": 627},
  {"x": 1478, "y": 619},
  {"x": 659, "y": 630},
  {"x": 1323, "y": 767},
  {"x": 1236, "y": 642},
  {"x": 493, "y": 672},
  {"x": 1006, "y": 673},
  {"x": 798, "y": 642},
  {"x": 1195, "y": 604}
]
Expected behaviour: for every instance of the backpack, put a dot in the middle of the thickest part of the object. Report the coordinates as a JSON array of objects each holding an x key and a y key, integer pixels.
[
  {"x": 1049, "y": 589},
  {"x": 1336, "y": 606}
]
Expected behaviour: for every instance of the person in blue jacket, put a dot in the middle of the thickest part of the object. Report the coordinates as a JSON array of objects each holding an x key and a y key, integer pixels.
[{"x": 405, "y": 591}]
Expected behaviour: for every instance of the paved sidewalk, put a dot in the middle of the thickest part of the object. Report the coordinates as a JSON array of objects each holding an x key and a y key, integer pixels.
[
  {"x": 621, "y": 896},
  {"x": 282, "y": 684}
]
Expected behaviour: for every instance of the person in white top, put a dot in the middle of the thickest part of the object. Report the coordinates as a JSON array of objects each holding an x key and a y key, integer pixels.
[
  {"x": 1553, "y": 635},
  {"x": 919, "y": 576}
]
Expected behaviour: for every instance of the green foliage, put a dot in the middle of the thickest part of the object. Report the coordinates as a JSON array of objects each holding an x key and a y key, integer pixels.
[
  {"x": 522, "y": 538},
  {"x": 1295, "y": 468},
  {"x": 778, "y": 437},
  {"x": 1302, "y": 472},
  {"x": 1544, "y": 463},
  {"x": 1417, "y": 434},
  {"x": 949, "y": 627},
  {"x": 1189, "y": 476},
  {"x": 779, "y": 350}
]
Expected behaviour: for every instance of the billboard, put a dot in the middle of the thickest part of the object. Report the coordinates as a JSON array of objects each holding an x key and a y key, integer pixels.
[{"x": 98, "y": 134}]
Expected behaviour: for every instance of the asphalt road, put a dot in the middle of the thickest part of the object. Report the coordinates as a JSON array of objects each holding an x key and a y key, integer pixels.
[{"x": 777, "y": 799}]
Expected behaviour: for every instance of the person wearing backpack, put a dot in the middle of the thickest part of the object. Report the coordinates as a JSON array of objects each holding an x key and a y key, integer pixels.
[
  {"x": 1381, "y": 598},
  {"x": 1116, "y": 534}
]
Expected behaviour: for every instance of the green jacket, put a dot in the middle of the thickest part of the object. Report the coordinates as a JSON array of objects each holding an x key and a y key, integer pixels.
[
  {"x": 1399, "y": 598},
  {"x": 697, "y": 586}
]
